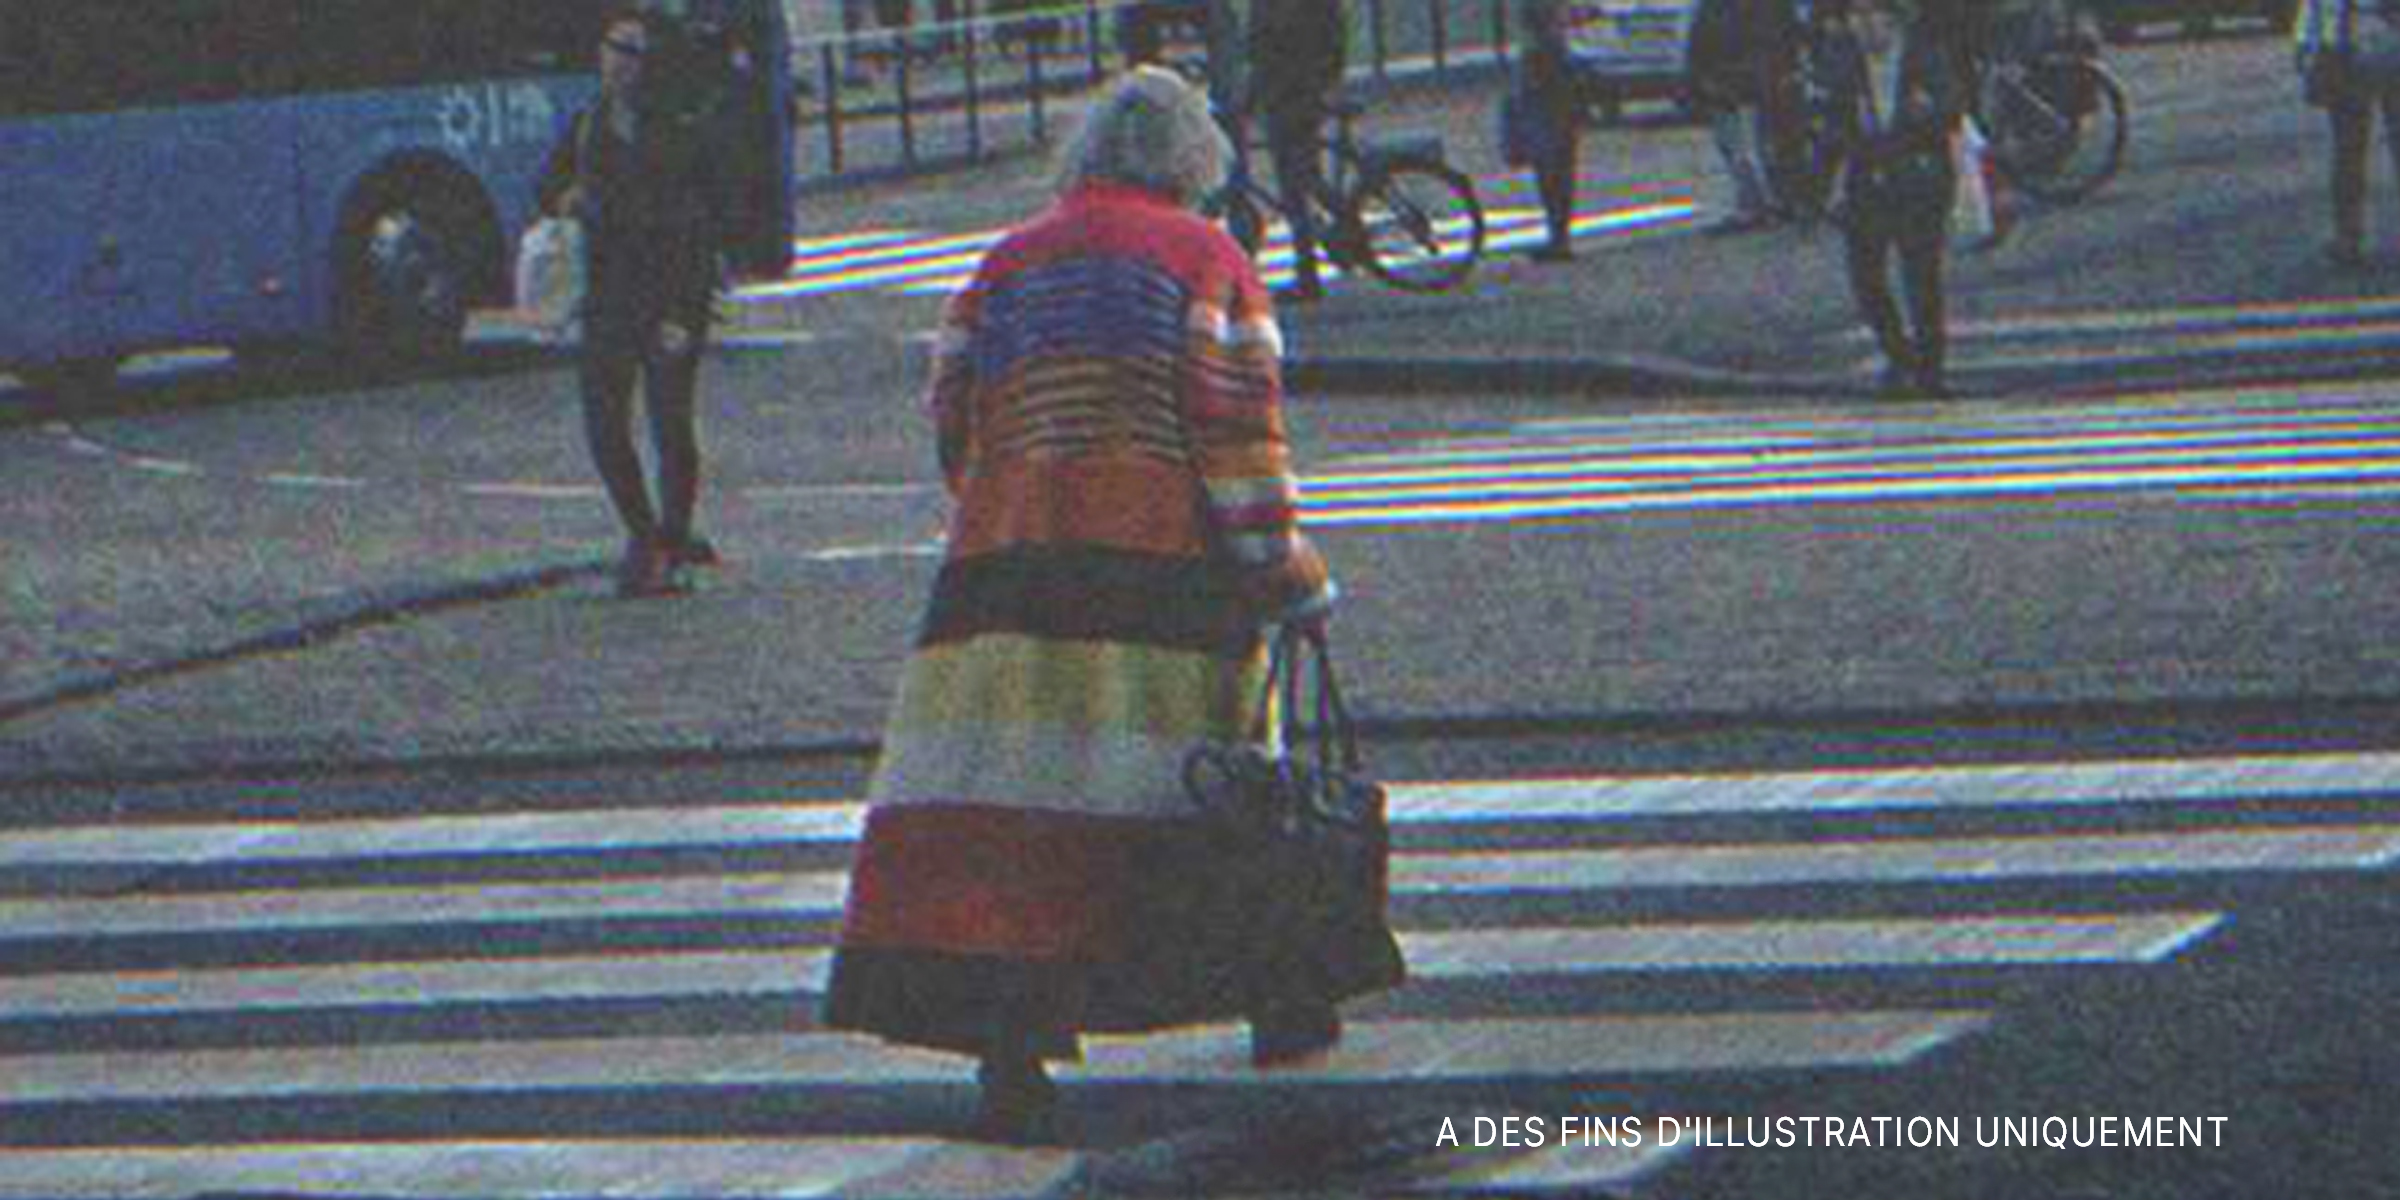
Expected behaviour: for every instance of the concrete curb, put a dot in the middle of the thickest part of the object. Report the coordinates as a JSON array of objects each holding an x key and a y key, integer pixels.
[
  {"x": 365, "y": 609},
  {"x": 2309, "y": 720}
]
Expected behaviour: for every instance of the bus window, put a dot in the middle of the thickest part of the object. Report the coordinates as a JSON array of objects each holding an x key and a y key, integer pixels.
[{"x": 203, "y": 129}]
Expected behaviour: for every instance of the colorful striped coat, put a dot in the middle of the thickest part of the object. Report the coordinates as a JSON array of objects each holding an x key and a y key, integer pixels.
[{"x": 1111, "y": 430}]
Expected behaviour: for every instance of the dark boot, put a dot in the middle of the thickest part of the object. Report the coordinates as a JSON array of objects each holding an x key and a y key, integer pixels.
[
  {"x": 1288, "y": 1033},
  {"x": 1019, "y": 1103}
]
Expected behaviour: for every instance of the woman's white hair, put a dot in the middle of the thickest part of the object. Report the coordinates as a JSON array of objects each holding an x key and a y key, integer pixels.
[{"x": 1151, "y": 130}]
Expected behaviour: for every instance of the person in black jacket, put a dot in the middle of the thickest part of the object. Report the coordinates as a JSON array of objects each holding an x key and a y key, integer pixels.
[
  {"x": 1740, "y": 49},
  {"x": 639, "y": 175},
  {"x": 1897, "y": 96},
  {"x": 1297, "y": 50},
  {"x": 1557, "y": 112}
]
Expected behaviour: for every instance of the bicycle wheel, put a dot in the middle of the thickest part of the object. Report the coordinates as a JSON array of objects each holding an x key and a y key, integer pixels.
[
  {"x": 1419, "y": 223},
  {"x": 2060, "y": 134}
]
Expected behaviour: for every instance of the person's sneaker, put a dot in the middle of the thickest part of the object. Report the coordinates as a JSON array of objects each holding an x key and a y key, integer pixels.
[
  {"x": 692, "y": 550},
  {"x": 1740, "y": 222},
  {"x": 1896, "y": 383},
  {"x": 647, "y": 570}
]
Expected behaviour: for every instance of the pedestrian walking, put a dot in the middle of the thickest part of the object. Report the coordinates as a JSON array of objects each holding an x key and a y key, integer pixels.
[
  {"x": 641, "y": 178},
  {"x": 1897, "y": 100},
  {"x": 2349, "y": 57},
  {"x": 1110, "y": 428},
  {"x": 1739, "y": 53},
  {"x": 1554, "y": 112},
  {"x": 1297, "y": 52}
]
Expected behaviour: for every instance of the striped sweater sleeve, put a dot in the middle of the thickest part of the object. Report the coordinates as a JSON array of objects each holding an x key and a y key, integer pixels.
[
  {"x": 951, "y": 387},
  {"x": 1235, "y": 399}
]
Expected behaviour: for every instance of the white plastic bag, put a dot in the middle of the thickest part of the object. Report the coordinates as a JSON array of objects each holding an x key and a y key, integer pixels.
[
  {"x": 550, "y": 277},
  {"x": 1974, "y": 224}
]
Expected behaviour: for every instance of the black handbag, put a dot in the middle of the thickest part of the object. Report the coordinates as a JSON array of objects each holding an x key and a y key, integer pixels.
[{"x": 1279, "y": 892}]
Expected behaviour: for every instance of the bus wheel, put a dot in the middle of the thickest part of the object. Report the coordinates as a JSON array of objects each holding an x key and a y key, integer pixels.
[{"x": 405, "y": 285}]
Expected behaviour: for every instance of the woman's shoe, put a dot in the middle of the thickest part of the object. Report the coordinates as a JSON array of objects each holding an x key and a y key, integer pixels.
[
  {"x": 692, "y": 550},
  {"x": 647, "y": 570},
  {"x": 1018, "y": 1104},
  {"x": 1287, "y": 1034}
]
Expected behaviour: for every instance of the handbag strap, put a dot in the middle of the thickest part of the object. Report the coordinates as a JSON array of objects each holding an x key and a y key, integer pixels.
[{"x": 1296, "y": 650}]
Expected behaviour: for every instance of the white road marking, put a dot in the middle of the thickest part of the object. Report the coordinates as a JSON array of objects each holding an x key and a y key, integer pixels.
[
  {"x": 2256, "y": 782},
  {"x": 1384, "y": 1053},
  {"x": 161, "y": 466},
  {"x": 535, "y": 491},
  {"x": 817, "y": 894},
  {"x": 627, "y": 1169},
  {"x": 283, "y": 479},
  {"x": 1773, "y": 945}
]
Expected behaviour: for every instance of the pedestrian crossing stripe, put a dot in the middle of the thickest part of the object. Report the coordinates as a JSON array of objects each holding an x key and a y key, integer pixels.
[
  {"x": 863, "y": 1168},
  {"x": 2069, "y": 339},
  {"x": 2185, "y": 344},
  {"x": 1535, "y": 451},
  {"x": 800, "y": 895},
  {"x": 920, "y": 264},
  {"x": 800, "y": 975},
  {"x": 876, "y": 266},
  {"x": 835, "y": 243},
  {"x": 2206, "y": 318},
  {"x": 1383, "y": 1053},
  {"x": 2253, "y": 782},
  {"x": 1538, "y": 472},
  {"x": 1852, "y": 488},
  {"x": 80, "y": 888},
  {"x": 867, "y": 1168},
  {"x": 1575, "y": 473},
  {"x": 1711, "y": 437}
]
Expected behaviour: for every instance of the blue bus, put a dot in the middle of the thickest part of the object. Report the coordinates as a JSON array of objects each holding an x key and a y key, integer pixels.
[{"x": 263, "y": 174}]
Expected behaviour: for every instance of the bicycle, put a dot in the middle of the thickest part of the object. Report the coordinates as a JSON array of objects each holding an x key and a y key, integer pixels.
[
  {"x": 1395, "y": 209},
  {"x": 2056, "y": 119}
]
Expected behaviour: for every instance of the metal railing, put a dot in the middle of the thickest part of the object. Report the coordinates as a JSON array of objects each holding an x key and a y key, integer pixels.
[{"x": 991, "y": 81}]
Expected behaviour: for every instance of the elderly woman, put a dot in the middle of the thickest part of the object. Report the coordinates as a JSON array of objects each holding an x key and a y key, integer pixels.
[{"x": 1110, "y": 427}]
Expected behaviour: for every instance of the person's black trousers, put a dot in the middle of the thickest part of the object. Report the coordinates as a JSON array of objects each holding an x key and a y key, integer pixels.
[
  {"x": 2353, "y": 120},
  {"x": 616, "y": 356},
  {"x": 1296, "y": 143},
  {"x": 1554, "y": 175},
  {"x": 1915, "y": 231}
]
